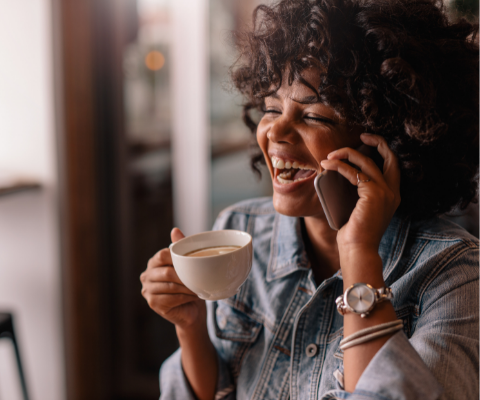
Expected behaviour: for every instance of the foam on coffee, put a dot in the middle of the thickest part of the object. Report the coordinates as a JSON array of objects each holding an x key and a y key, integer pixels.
[{"x": 211, "y": 251}]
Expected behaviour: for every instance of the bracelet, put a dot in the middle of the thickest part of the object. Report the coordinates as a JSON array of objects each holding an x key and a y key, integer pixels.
[
  {"x": 371, "y": 329},
  {"x": 371, "y": 333}
]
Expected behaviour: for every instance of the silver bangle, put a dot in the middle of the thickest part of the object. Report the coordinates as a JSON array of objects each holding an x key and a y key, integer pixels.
[
  {"x": 370, "y": 337},
  {"x": 371, "y": 329}
]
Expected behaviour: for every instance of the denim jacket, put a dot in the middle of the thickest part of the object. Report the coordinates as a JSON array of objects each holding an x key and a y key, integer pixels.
[{"x": 262, "y": 333}]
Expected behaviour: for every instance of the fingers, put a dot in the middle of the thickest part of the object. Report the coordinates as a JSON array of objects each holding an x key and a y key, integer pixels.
[
  {"x": 164, "y": 303},
  {"x": 161, "y": 274},
  {"x": 391, "y": 171},
  {"x": 176, "y": 235},
  {"x": 166, "y": 288},
  {"x": 168, "y": 301},
  {"x": 163, "y": 290},
  {"x": 344, "y": 169},
  {"x": 366, "y": 164},
  {"x": 161, "y": 259}
]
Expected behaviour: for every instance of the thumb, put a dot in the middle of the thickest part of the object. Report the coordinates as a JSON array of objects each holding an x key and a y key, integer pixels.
[{"x": 176, "y": 235}]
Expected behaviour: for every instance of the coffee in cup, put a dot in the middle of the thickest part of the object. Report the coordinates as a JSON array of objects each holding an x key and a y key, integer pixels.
[
  {"x": 211, "y": 251},
  {"x": 213, "y": 264}
]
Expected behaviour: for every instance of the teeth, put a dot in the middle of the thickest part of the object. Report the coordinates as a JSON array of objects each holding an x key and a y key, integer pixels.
[
  {"x": 281, "y": 164},
  {"x": 287, "y": 181},
  {"x": 285, "y": 175},
  {"x": 284, "y": 181}
]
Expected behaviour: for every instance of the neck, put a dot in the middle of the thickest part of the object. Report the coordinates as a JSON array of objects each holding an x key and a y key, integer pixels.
[{"x": 321, "y": 246}]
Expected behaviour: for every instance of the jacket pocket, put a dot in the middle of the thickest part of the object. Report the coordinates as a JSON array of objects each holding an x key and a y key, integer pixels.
[{"x": 235, "y": 325}]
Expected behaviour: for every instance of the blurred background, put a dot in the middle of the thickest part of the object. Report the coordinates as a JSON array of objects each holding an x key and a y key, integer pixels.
[{"x": 117, "y": 122}]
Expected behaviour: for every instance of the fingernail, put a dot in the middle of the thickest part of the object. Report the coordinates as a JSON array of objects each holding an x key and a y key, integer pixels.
[
  {"x": 366, "y": 134},
  {"x": 323, "y": 162},
  {"x": 331, "y": 154}
]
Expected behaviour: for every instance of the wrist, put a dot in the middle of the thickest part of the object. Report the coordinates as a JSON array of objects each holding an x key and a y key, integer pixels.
[
  {"x": 355, "y": 250},
  {"x": 362, "y": 266},
  {"x": 192, "y": 333}
]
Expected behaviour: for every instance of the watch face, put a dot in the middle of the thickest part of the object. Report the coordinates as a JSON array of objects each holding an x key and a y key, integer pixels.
[{"x": 360, "y": 298}]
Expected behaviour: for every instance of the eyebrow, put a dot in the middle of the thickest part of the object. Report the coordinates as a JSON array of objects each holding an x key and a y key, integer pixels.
[{"x": 303, "y": 100}]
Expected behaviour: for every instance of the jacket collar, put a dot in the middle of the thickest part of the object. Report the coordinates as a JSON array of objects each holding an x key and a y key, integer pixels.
[
  {"x": 392, "y": 246},
  {"x": 288, "y": 254},
  {"x": 287, "y": 251}
]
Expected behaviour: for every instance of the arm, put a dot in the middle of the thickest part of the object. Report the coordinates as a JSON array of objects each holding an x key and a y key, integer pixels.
[
  {"x": 446, "y": 333},
  {"x": 444, "y": 346},
  {"x": 363, "y": 268},
  {"x": 442, "y": 354},
  {"x": 169, "y": 298},
  {"x": 199, "y": 359},
  {"x": 358, "y": 241}
]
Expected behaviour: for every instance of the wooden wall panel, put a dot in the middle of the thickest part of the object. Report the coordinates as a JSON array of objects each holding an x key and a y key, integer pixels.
[{"x": 111, "y": 220}]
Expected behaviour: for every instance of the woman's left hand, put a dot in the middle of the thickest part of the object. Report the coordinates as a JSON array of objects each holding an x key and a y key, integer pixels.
[{"x": 379, "y": 197}]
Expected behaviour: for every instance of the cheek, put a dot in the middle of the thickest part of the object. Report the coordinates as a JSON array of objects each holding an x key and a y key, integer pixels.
[
  {"x": 320, "y": 144},
  {"x": 262, "y": 139}
]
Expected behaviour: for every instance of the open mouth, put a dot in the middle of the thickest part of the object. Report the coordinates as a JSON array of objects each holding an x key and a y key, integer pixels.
[{"x": 288, "y": 172}]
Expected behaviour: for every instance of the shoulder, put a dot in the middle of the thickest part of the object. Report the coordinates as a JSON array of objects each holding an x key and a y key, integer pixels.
[
  {"x": 440, "y": 243},
  {"x": 442, "y": 230},
  {"x": 238, "y": 215},
  {"x": 446, "y": 244},
  {"x": 437, "y": 271},
  {"x": 439, "y": 257}
]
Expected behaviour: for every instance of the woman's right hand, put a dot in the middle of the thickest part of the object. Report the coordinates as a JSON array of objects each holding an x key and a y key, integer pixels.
[
  {"x": 170, "y": 298},
  {"x": 167, "y": 295}
]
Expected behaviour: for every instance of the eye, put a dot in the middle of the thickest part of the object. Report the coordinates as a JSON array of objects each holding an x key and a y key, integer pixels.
[
  {"x": 319, "y": 118},
  {"x": 271, "y": 111}
]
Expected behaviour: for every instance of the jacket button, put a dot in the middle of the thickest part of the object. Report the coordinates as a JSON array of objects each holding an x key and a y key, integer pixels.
[{"x": 311, "y": 350}]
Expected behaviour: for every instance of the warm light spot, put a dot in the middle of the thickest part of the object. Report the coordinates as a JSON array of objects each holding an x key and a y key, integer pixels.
[{"x": 154, "y": 60}]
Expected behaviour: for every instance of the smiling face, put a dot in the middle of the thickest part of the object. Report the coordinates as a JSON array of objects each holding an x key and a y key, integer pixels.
[{"x": 295, "y": 135}]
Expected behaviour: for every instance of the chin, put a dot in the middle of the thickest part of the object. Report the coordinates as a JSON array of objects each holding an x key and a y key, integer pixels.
[{"x": 292, "y": 207}]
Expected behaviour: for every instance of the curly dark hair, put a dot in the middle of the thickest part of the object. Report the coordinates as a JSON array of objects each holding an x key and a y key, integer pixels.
[{"x": 399, "y": 68}]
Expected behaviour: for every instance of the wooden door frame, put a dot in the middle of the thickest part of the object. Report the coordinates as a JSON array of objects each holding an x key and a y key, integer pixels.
[{"x": 90, "y": 151}]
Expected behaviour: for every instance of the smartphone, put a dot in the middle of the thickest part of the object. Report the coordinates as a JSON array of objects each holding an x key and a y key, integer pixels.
[{"x": 337, "y": 195}]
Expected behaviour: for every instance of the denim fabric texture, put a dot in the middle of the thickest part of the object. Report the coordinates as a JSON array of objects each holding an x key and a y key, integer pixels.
[{"x": 262, "y": 333}]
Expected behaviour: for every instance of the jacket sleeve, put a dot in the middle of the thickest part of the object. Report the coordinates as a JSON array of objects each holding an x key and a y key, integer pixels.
[
  {"x": 174, "y": 384},
  {"x": 440, "y": 360}
]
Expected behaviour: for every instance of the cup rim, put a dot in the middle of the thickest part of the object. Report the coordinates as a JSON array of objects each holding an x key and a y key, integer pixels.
[{"x": 218, "y": 255}]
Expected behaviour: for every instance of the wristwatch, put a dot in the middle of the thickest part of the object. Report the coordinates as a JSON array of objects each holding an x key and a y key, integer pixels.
[{"x": 361, "y": 298}]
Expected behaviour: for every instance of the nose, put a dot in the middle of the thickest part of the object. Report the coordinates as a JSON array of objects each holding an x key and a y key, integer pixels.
[{"x": 282, "y": 131}]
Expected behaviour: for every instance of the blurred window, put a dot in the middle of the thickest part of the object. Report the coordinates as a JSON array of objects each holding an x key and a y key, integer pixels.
[{"x": 232, "y": 179}]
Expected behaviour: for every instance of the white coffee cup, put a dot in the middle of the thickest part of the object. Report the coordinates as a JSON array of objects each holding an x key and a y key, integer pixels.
[{"x": 213, "y": 277}]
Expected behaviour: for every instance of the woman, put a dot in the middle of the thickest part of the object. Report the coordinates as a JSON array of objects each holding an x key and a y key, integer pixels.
[{"x": 329, "y": 75}]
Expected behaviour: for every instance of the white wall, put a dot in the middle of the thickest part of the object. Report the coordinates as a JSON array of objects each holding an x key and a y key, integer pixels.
[
  {"x": 29, "y": 237},
  {"x": 190, "y": 106}
]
